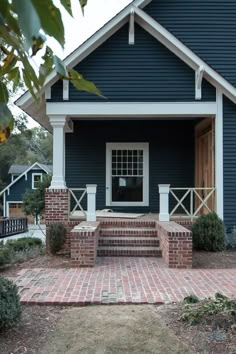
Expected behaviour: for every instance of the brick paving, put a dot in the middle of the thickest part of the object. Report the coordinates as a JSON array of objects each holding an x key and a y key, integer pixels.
[{"x": 122, "y": 280}]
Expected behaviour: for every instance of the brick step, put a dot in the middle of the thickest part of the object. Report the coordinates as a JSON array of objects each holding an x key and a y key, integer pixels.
[
  {"x": 128, "y": 241},
  {"x": 135, "y": 232},
  {"x": 123, "y": 251},
  {"x": 124, "y": 223}
]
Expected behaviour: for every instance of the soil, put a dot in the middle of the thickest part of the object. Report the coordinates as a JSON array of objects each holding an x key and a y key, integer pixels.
[
  {"x": 115, "y": 329},
  {"x": 215, "y": 335},
  {"x": 214, "y": 260}
]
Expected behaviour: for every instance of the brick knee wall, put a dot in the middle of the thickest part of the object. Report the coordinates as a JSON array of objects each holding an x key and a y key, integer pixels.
[
  {"x": 176, "y": 244},
  {"x": 84, "y": 244}
]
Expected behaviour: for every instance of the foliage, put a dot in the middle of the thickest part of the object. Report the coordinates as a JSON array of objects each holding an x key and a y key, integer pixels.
[
  {"x": 208, "y": 233},
  {"x": 23, "y": 243},
  {"x": 10, "y": 307},
  {"x": 191, "y": 299},
  {"x": 57, "y": 237},
  {"x": 34, "y": 200},
  {"x": 24, "y": 28},
  {"x": 196, "y": 313},
  {"x": 5, "y": 256}
]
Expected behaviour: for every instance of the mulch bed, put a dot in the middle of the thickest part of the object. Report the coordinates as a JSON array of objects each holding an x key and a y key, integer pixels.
[
  {"x": 213, "y": 335},
  {"x": 214, "y": 260}
]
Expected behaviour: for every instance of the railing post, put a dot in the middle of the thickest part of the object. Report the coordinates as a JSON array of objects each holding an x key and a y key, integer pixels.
[
  {"x": 164, "y": 190},
  {"x": 91, "y": 202}
]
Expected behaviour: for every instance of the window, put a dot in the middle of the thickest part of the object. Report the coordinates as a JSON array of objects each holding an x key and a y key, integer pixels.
[{"x": 36, "y": 178}]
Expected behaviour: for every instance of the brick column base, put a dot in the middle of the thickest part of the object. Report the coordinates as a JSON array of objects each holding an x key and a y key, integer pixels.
[
  {"x": 84, "y": 243},
  {"x": 176, "y": 244}
]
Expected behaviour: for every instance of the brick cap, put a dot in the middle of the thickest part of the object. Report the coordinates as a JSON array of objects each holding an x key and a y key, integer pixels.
[{"x": 86, "y": 226}]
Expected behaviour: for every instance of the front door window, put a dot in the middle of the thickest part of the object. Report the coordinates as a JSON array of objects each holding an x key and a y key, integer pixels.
[{"x": 127, "y": 174}]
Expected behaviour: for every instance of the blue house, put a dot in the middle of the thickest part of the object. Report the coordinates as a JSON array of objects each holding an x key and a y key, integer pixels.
[
  {"x": 163, "y": 140},
  {"x": 23, "y": 178}
]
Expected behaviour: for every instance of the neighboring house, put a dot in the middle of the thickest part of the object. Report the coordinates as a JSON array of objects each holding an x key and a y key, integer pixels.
[
  {"x": 23, "y": 178},
  {"x": 167, "y": 70}
]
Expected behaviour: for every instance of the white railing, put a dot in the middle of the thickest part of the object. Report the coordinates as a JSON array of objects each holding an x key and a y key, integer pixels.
[
  {"x": 90, "y": 191},
  {"x": 192, "y": 200}
]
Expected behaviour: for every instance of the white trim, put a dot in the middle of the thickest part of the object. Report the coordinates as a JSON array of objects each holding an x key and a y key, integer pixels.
[
  {"x": 25, "y": 172},
  {"x": 48, "y": 93},
  {"x": 183, "y": 52},
  {"x": 198, "y": 83},
  {"x": 33, "y": 182},
  {"x": 135, "y": 145},
  {"x": 65, "y": 90},
  {"x": 136, "y": 109},
  {"x": 219, "y": 168},
  {"x": 131, "y": 28},
  {"x": 4, "y": 204}
]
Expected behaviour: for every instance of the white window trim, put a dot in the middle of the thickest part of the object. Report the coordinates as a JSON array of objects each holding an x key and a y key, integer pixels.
[
  {"x": 36, "y": 174},
  {"x": 138, "y": 146}
]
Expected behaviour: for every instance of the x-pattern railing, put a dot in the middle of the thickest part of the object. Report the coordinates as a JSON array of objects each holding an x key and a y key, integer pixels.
[
  {"x": 78, "y": 200},
  {"x": 192, "y": 193}
]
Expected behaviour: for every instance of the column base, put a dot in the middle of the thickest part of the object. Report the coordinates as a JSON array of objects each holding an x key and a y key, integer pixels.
[{"x": 58, "y": 183}]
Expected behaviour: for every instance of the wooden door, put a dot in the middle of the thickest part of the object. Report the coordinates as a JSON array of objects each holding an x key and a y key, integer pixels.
[{"x": 204, "y": 162}]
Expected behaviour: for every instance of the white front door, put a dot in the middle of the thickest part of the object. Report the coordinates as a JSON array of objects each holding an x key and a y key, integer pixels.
[{"x": 127, "y": 174}]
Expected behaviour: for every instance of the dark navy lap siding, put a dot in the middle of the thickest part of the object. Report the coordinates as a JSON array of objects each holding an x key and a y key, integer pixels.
[
  {"x": 171, "y": 154},
  {"x": 208, "y": 27},
  {"x": 229, "y": 163},
  {"x": 18, "y": 189},
  {"x": 144, "y": 72}
]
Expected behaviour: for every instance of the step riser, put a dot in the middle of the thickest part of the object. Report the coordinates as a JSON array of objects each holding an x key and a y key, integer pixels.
[
  {"x": 128, "y": 253},
  {"x": 123, "y": 232},
  {"x": 131, "y": 243},
  {"x": 127, "y": 224}
]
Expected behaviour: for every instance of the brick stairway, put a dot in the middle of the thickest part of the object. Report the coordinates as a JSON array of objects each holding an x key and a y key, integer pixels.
[{"x": 130, "y": 238}]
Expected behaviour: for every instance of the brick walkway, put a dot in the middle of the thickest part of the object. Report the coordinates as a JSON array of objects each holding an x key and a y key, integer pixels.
[{"x": 122, "y": 280}]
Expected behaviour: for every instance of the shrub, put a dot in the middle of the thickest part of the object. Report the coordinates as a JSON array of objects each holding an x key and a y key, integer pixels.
[
  {"x": 10, "y": 308},
  {"x": 23, "y": 243},
  {"x": 57, "y": 237},
  {"x": 208, "y": 233},
  {"x": 5, "y": 256}
]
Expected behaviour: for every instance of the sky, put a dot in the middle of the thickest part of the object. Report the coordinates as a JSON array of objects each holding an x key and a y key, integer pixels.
[{"x": 81, "y": 27}]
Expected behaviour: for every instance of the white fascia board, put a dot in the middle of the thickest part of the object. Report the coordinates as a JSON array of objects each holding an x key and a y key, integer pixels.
[
  {"x": 86, "y": 48},
  {"x": 23, "y": 174},
  {"x": 183, "y": 52},
  {"x": 137, "y": 109}
]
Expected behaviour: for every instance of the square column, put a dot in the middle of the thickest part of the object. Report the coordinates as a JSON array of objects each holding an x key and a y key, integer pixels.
[
  {"x": 164, "y": 190},
  {"x": 58, "y": 124}
]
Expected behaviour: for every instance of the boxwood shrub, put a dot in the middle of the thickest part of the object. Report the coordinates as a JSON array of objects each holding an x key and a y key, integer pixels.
[
  {"x": 10, "y": 307},
  {"x": 208, "y": 233},
  {"x": 23, "y": 243},
  {"x": 56, "y": 238}
]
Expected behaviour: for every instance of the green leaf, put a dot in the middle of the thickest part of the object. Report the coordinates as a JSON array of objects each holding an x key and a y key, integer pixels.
[
  {"x": 83, "y": 3},
  {"x": 81, "y": 84},
  {"x": 14, "y": 76},
  {"x": 3, "y": 93},
  {"x": 67, "y": 5},
  {"x": 28, "y": 83},
  {"x": 28, "y": 20},
  {"x": 8, "y": 63},
  {"x": 47, "y": 66},
  {"x": 6, "y": 123},
  {"x": 50, "y": 19},
  {"x": 59, "y": 66}
]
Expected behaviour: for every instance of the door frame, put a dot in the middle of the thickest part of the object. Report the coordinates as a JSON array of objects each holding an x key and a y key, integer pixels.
[{"x": 135, "y": 146}]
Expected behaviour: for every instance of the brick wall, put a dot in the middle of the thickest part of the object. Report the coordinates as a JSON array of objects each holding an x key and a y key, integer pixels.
[
  {"x": 84, "y": 243},
  {"x": 176, "y": 244}
]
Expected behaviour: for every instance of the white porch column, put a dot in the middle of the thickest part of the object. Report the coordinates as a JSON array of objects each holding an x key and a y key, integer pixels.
[
  {"x": 219, "y": 168},
  {"x": 164, "y": 190},
  {"x": 91, "y": 202},
  {"x": 58, "y": 124}
]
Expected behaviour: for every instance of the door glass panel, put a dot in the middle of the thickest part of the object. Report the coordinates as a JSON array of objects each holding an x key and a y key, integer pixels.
[{"x": 127, "y": 175}]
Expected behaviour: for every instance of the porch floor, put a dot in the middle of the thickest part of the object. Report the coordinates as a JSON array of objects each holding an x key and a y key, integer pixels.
[{"x": 121, "y": 280}]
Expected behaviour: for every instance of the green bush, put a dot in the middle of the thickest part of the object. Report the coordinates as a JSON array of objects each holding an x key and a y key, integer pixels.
[
  {"x": 10, "y": 308},
  {"x": 208, "y": 233},
  {"x": 5, "y": 256},
  {"x": 57, "y": 237},
  {"x": 23, "y": 243}
]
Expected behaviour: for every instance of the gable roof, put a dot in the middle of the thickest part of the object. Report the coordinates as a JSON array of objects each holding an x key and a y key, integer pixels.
[
  {"x": 27, "y": 103},
  {"x": 19, "y": 169},
  {"x": 42, "y": 167}
]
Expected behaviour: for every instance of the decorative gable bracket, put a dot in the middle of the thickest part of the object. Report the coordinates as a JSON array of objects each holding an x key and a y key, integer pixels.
[
  {"x": 131, "y": 28},
  {"x": 198, "y": 82}
]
